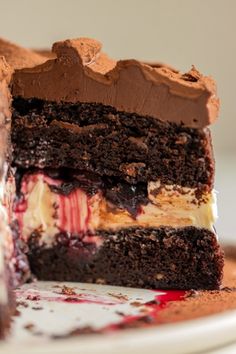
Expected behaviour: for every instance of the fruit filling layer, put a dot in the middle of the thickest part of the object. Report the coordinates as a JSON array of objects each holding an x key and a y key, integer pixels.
[{"x": 48, "y": 205}]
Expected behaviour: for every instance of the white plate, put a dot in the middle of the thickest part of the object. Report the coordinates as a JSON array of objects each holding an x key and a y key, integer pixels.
[{"x": 98, "y": 309}]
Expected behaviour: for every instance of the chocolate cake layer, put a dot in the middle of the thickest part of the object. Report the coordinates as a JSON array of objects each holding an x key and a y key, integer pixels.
[
  {"x": 162, "y": 258},
  {"x": 99, "y": 139},
  {"x": 18, "y": 57}
]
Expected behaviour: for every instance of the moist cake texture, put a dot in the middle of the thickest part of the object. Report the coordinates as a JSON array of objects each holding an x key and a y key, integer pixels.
[
  {"x": 144, "y": 258},
  {"x": 114, "y": 170}
]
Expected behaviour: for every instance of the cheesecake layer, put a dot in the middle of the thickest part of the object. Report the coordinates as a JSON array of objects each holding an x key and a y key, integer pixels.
[
  {"x": 161, "y": 258},
  {"x": 48, "y": 206}
]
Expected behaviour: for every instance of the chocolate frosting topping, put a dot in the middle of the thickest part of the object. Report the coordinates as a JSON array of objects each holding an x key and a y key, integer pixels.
[
  {"x": 5, "y": 97},
  {"x": 81, "y": 72},
  {"x": 18, "y": 57},
  {"x": 5, "y": 70}
]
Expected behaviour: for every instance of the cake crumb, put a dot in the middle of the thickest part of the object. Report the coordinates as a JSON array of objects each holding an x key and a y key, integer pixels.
[
  {"x": 66, "y": 290},
  {"x": 22, "y": 303},
  {"x": 37, "y": 308},
  {"x": 33, "y": 297},
  {"x": 119, "y": 296},
  {"x": 29, "y": 326},
  {"x": 136, "y": 303},
  {"x": 159, "y": 276}
]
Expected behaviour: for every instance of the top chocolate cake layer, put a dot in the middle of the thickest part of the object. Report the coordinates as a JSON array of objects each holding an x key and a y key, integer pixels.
[
  {"x": 82, "y": 73},
  {"x": 18, "y": 57}
]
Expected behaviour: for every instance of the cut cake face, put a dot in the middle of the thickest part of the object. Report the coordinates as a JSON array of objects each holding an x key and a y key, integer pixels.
[{"x": 115, "y": 170}]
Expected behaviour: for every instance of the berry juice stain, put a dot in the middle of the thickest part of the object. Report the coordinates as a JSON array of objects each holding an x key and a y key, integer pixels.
[
  {"x": 159, "y": 303},
  {"x": 148, "y": 315}
]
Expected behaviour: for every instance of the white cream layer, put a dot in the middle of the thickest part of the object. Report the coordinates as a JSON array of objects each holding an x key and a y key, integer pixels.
[{"x": 49, "y": 213}]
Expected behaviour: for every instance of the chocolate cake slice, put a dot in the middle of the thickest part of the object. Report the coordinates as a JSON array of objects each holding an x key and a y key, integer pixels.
[{"x": 114, "y": 170}]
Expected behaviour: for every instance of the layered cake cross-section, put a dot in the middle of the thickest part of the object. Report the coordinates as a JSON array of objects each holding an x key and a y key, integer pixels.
[{"x": 114, "y": 170}]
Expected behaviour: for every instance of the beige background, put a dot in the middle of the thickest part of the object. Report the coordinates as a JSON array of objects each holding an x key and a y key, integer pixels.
[{"x": 178, "y": 32}]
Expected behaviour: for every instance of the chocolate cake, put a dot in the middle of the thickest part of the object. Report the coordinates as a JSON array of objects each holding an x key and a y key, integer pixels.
[{"x": 114, "y": 170}]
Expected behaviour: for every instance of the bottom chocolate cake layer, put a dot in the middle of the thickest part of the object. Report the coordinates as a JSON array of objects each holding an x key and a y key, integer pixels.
[{"x": 163, "y": 258}]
